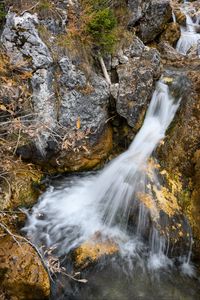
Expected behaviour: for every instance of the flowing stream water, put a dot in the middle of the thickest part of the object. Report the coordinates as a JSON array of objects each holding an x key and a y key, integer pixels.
[
  {"x": 107, "y": 204},
  {"x": 103, "y": 203},
  {"x": 189, "y": 36}
]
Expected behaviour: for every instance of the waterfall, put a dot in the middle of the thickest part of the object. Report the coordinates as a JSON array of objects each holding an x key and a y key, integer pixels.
[
  {"x": 189, "y": 36},
  {"x": 173, "y": 17},
  {"x": 104, "y": 203}
]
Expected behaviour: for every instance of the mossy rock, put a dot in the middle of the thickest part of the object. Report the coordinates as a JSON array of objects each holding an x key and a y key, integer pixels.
[{"x": 19, "y": 185}]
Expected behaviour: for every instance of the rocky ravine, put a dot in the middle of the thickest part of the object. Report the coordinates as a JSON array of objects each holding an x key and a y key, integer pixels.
[{"x": 66, "y": 117}]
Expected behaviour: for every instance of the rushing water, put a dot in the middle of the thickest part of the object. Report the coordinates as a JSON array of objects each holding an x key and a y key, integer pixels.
[
  {"x": 105, "y": 202},
  {"x": 189, "y": 36}
]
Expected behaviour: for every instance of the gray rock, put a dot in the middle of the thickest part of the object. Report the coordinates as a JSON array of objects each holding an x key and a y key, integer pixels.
[
  {"x": 136, "y": 81},
  {"x": 157, "y": 15},
  {"x": 44, "y": 104},
  {"x": 138, "y": 9},
  {"x": 135, "y": 49},
  {"x": 62, "y": 95},
  {"x": 149, "y": 17},
  {"x": 27, "y": 51},
  {"x": 90, "y": 107},
  {"x": 71, "y": 76},
  {"x": 22, "y": 42}
]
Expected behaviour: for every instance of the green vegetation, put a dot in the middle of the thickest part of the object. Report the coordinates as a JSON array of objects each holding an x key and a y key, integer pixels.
[
  {"x": 101, "y": 28},
  {"x": 2, "y": 12},
  {"x": 96, "y": 26}
]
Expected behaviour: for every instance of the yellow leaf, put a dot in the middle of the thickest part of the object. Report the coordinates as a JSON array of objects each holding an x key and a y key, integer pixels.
[
  {"x": 2, "y": 107},
  {"x": 78, "y": 123},
  {"x": 168, "y": 79}
]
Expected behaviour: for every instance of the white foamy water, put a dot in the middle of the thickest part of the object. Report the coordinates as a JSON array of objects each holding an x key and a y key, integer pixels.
[
  {"x": 189, "y": 36},
  {"x": 104, "y": 203}
]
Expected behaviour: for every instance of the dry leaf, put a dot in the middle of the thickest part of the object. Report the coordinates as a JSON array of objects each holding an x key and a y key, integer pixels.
[{"x": 78, "y": 123}]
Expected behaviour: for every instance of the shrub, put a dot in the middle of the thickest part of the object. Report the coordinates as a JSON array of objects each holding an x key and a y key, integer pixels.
[
  {"x": 93, "y": 26},
  {"x": 101, "y": 28}
]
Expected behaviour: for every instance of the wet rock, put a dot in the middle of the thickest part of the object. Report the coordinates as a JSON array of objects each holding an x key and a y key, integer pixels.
[
  {"x": 22, "y": 274},
  {"x": 86, "y": 154},
  {"x": 179, "y": 152},
  {"x": 180, "y": 16},
  {"x": 172, "y": 59},
  {"x": 184, "y": 135},
  {"x": 136, "y": 81},
  {"x": 92, "y": 251},
  {"x": 193, "y": 208}
]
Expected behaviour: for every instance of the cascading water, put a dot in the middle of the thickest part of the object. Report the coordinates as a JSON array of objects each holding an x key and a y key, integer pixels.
[
  {"x": 189, "y": 36},
  {"x": 120, "y": 205},
  {"x": 107, "y": 201}
]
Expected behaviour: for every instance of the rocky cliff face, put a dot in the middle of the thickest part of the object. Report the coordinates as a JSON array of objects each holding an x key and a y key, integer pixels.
[{"x": 69, "y": 98}]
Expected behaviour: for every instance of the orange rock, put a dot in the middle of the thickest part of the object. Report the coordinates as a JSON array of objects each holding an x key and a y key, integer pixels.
[
  {"x": 22, "y": 273},
  {"x": 91, "y": 251}
]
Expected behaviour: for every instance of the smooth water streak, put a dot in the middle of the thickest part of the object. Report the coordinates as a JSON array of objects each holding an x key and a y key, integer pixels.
[
  {"x": 103, "y": 203},
  {"x": 189, "y": 36}
]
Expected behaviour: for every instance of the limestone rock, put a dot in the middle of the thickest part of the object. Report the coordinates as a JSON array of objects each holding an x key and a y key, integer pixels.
[
  {"x": 27, "y": 51},
  {"x": 138, "y": 9},
  {"x": 171, "y": 58},
  {"x": 22, "y": 274},
  {"x": 193, "y": 209},
  {"x": 180, "y": 17},
  {"x": 22, "y": 42},
  {"x": 150, "y": 17},
  {"x": 80, "y": 99},
  {"x": 136, "y": 81},
  {"x": 152, "y": 26}
]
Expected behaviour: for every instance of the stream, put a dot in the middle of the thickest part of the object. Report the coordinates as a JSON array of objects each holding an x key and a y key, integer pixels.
[
  {"x": 120, "y": 206},
  {"x": 106, "y": 207}
]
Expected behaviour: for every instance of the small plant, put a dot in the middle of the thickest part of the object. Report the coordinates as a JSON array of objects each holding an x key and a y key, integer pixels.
[
  {"x": 101, "y": 28},
  {"x": 2, "y": 12},
  {"x": 94, "y": 26}
]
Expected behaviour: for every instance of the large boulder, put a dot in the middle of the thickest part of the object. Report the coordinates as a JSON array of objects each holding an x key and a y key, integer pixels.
[
  {"x": 157, "y": 16},
  {"x": 136, "y": 77},
  {"x": 149, "y": 17}
]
